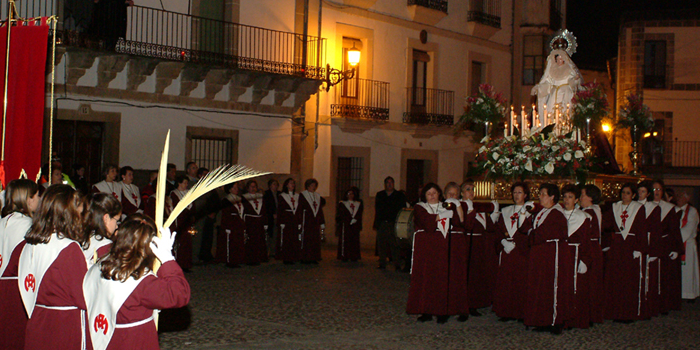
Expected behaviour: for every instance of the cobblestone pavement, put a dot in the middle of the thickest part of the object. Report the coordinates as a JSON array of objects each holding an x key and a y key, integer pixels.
[{"x": 356, "y": 306}]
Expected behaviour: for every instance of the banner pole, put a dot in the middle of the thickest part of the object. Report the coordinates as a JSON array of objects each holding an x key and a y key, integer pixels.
[{"x": 10, "y": 12}]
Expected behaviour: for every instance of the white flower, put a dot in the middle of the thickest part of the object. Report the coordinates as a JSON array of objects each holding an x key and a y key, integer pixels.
[
  {"x": 482, "y": 149},
  {"x": 495, "y": 155},
  {"x": 578, "y": 154},
  {"x": 549, "y": 168},
  {"x": 526, "y": 148},
  {"x": 485, "y": 139},
  {"x": 479, "y": 100},
  {"x": 567, "y": 156},
  {"x": 555, "y": 148},
  {"x": 528, "y": 165}
]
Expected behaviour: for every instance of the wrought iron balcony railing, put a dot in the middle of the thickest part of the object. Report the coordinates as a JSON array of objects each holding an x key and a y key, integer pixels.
[
  {"x": 439, "y": 5},
  {"x": 361, "y": 99},
  {"x": 429, "y": 106},
  {"x": 670, "y": 154},
  {"x": 156, "y": 33},
  {"x": 486, "y": 12}
]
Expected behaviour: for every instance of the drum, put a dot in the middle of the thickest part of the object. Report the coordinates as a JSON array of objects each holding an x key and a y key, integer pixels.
[{"x": 404, "y": 224}]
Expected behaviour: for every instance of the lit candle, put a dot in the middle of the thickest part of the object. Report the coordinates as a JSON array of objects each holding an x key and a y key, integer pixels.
[
  {"x": 546, "y": 115},
  {"x": 512, "y": 119},
  {"x": 523, "y": 119}
]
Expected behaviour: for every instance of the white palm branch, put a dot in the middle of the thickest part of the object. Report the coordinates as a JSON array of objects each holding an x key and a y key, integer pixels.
[{"x": 221, "y": 176}]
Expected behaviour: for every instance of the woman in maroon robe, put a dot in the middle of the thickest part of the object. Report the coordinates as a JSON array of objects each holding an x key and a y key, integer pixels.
[
  {"x": 54, "y": 302},
  {"x": 652, "y": 290},
  {"x": 130, "y": 325},
  {"x": 183, "y": 224},
  {"x": 289, "y": 218},
  {"x": 22, "y": 200},
  {"x": 131, "y": 197},
  {"x": 458, "y": 301},
  {"x": 349, "y": 225},
  {"x": 482, "y": 261},
  {"x": 103, "y": 215},
  {"x": 313, "y": 223},
  {"x": 672, "y": 248},
  {"x": 513, "y": 250},
  {"x": 428, "y": 291},
  {"x": 230, "y": 243},
  {"x": 255, "y": 218},
  {"x": 590, "y": 194},
  {"x": 625, "y": 234},
  {"x": 548, "y": 284}
]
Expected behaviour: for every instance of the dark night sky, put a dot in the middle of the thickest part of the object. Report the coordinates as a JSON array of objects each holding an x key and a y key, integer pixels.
[{"x": 596, "y": 23}]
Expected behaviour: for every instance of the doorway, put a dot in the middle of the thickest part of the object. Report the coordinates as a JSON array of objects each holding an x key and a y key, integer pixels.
[{"x": 80, "y": 142}]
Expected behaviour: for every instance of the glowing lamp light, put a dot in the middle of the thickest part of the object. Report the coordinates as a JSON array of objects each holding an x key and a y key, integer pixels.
[
  {"x": 606, "y": 127},
  {"x": 647, "y": 134},
  {"x": 655, "y": 134},
  {"x": 353, "y": 56}
]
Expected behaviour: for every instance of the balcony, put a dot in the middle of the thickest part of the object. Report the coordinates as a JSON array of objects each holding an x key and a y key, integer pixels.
[
  {"x": 662, "y": 156},
  {"x": 361, "y": 99},
  {"x": 484, "y": 18},
  {"x": 427, "y": 11},
  {"x": 429, "y": 106}
]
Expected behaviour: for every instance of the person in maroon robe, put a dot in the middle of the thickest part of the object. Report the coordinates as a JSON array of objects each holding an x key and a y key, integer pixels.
[
  {"x": 458, "y": 301},
  {"x": 548, "y": 283},
  {"x": 22, "y": 200},
  {"x": 625, "y": 240},
  {"x": 255, "y": 218},
  {"x": 579, "y": 242},
  {"x": 131, "y": 196},
  {"x": 590, "y": 195},
  {"x": 513, "y": 250},
  {"x": 131, "y": 323},
  {"x": 672, "y": 246},
  {"x": 349, "y": 225},
  {"x": 109, "y": 185},
  {"x": 103, "y": 215},
  {"x": 55, "y": 315},
  {"x": 230, "y": 244},
  {"x": 652, "y": 290},
  {"x": 313, "y": 223},
  {"x": 482, "y": 261},
  {"x": 428, "y": 291},
  {"x": 289, "y": 219},
  {"x": 150, "y": 188},
  {"x": 183, "y": 224}
]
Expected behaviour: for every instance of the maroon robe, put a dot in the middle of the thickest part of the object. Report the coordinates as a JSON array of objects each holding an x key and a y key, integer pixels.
[
  {"x": 548, "y": 283},
  {"x": 595, "y": 269},
  {"x": 509, "y": 296},
  {"x": 289, "y": 221},
  {"x": 624, "y": 274},
  {"x": 129, "y": 208},
  {"x": 482, "y": 261},
  {"x": 671, "y": 280},
  {"x": 169, "y": 290},
  {"x": 182, "y": 225},
  {"x": 428, "y": 291},
  {"x": 62, "y": 285},
  {"x": 652, "y": 287},
  {"x": 349, "y": 233},
  {"x": 255, "y": 230},
  {"x": 13, "y": 317},
  {"x": 230, "y": 243},
  {"x": 579, "y": 243},
  {"x": 458, "y": 300},
  {"x": 311, "y": 226}
]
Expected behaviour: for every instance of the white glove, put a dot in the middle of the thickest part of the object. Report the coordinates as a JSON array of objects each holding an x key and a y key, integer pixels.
[
  {"x": 266, "y": 227},
  {"x": 453, "y": 201},
  {"x": 606, "y": 249},
  {"x": 445, "y": 214},
  {"x": 508, "y": 246},
  {"x": 637, "y": 254},
  {"x": 582, "y": 268},
  {"x": 162, "y": 247},
  {"x": 323, "y": 226},
  {"x": 529, "y": 205},
  {"x": 673, "y": 255},
  {"x": 651, "y": 258},
  {"x": 299, "y": 227},
  {"x": 496, "y": 206},
  {"x": 281, "y": 227},
  {"x": 353, "y": 221}
]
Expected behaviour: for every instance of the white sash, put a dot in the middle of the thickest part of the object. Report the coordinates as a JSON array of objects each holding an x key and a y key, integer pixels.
[
  {"x": 12, "y": 230},
  {"x": 666, "y": 208},
  {"x": 575, "y": 219},
  {"x": 443, "y": 224},
  {"x": 632, "y": 210},
  {"x": 250, "y": 197},
  {"x": 33, "y": 263},
  {"x": 354, "y": 210},
  {"x": 288, "y": 198},
  {"x": 599, "y": 214},
  {"x": 104, "y": 298},
  {"x": 236, "y": 202},
  {"x": 91, "y": 252},
  {"x": 114, "y": 188},
  {"x": 311, "y": 198},
  {"x": 542, "y": 216},
  {"x": 132, "y": 194},
  {"x": 512, "y": 227}
]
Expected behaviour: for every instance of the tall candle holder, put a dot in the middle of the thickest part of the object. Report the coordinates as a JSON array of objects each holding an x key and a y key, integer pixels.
[{"x": 634, "y": 155}]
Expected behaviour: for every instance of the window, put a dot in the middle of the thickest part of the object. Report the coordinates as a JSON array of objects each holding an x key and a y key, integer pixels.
[
  {"x": 211, "y": 148},
  {"x": 655, "y": 64},
  {"x": 350, "y": 87},
  {"x": 477, "y": 77},
  {"x": 533, "y": 58},
  {"x": 349, "y": 174},
  {"x": 420, "y": 76}
]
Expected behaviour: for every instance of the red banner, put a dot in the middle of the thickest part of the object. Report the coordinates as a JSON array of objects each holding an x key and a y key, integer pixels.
[{"x": 26, "y": 85}]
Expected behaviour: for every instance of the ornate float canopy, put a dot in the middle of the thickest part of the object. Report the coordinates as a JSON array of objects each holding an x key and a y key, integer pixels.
[{"x": 564, "y": 40}]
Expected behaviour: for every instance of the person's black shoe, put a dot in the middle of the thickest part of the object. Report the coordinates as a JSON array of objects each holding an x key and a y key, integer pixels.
[
  {"x": 344, "y": 260},
  {"x": 442, "y": 319},
  {"x": 233, "y": 266},
  {"x": 505, "y": 319},
  {"x": 253, "y": 264},
  {"x": 691, "y": 301},
  {"x": 425, "y": 318},
  {"x": 556, "y": 329},
  {"x": 540, "y": 329},
  {"x": 623, "y": 321},
  {"x": 463, "y": 318},
  {"x": 289, "y": 262},
  {"x": 473, "y": 312}
]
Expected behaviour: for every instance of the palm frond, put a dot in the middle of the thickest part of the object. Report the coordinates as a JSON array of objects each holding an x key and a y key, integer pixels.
[
  {"x": 160, "y": 188},
  {"x": 221, "y": 176}
]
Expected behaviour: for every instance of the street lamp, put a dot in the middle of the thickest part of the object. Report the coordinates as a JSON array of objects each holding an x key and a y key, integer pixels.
[{"x": 335, "y": 76}]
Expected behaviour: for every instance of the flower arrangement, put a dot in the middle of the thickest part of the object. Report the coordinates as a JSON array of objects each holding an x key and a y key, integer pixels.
[
  {"x": 635, "y": 113},
  {"x": 589, "y": 103},
  {"x": 541, "y": 154},
  {"x": 486, "y": 106}
]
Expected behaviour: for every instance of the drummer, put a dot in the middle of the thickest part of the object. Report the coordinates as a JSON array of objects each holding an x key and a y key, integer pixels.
[{"x": 388, "y": 203}]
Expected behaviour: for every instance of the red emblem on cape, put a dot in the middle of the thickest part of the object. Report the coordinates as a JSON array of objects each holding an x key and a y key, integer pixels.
[
  {"x": 315, "y": 205},
  {"x": 30, "y": 282},
  {"x": 352, "y": 207},
  {"x": 514, "y": 219},
  {"x": 133, "y": 195},
  {"x": 101, "y": 323},
  {"x": 0, "y": 260},
  {"x": 256, "y": 204},
  {"x": 115, "y": 196},
  {"x": 624, "y": 217}
]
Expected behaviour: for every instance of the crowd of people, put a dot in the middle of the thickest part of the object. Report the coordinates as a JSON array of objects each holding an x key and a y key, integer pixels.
[{"x": 553, "y": 265}]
